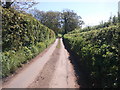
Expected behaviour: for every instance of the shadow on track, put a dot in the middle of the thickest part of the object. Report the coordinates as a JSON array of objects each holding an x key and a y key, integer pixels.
[{"x": 80, "y": 70}]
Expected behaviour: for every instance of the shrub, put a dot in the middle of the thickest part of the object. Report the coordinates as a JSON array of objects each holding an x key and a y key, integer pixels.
[
  {"x": 23, "y": 37},
  {"x": 98, "y": 50}
]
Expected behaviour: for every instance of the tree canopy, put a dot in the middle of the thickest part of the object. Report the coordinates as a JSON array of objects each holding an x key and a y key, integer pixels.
[{"x": 64, "y": 21}]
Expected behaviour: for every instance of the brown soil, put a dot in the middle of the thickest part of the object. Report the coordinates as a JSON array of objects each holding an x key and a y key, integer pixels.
[{"x": 45, "y": 76}]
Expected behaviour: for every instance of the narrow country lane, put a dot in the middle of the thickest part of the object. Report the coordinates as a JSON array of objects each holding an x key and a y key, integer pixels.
[
  {"x": 64, "y": 76},
  {"x": 51, "y": 70}
]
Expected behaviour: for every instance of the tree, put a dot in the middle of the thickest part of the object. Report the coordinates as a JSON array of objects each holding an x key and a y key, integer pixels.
[
  {"x": 115, "y": 20},
  {"x": 6, "y": 3},
  {"x": 118, "y": 17},
  {"x": 71, "y": 20},
  {"x": 39, "y": 15},
  {"x": 17, "y": 4},
  {"x": 23, "y": 6},
  {"x": 58, "y": 21},
  {"x": 50, "y": 19}
]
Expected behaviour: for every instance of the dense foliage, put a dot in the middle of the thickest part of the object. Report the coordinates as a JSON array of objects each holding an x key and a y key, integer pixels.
[
  {"x": 59, "y": 22},
  {"x": 98, "y": 52},
  {"x": 23, "y": 38}
]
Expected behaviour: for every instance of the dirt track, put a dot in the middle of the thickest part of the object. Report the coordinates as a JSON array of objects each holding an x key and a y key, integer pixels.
[{"x": 50, "y": 70}]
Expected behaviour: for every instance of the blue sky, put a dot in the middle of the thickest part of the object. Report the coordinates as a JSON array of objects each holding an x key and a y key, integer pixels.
[{"x": 91, "y": 11}]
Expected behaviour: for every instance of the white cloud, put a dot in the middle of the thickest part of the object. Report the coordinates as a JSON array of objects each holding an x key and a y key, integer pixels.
[{"x": 91, "y": 20}]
